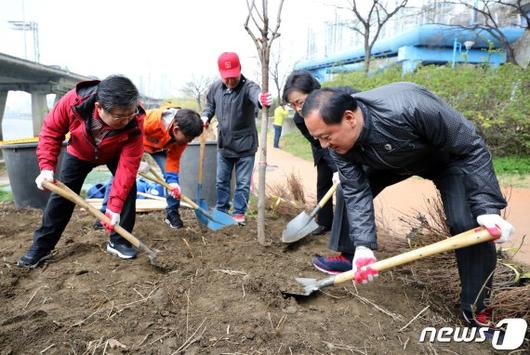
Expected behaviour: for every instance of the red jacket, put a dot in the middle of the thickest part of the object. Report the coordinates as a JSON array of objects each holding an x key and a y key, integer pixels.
[
  {"x": 157, "y": 138},
  {"x": 74, "y": 113}
]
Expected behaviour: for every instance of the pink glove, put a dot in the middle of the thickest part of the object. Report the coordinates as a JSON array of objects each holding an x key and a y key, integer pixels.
[
  {"x": 265, "y": 99},
  {"x": 174, "y": 190},
  {"x": 363, "y": 256},
  {"x": 496, "y": 226},
  {"x": 114, "y": 219}
]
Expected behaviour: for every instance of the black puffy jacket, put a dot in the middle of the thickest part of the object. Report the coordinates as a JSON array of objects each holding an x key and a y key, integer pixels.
[{"x": 410, "y": 131}]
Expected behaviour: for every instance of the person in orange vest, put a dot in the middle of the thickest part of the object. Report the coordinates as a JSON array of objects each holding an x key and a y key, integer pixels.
[{"x": 167, "y": 133}]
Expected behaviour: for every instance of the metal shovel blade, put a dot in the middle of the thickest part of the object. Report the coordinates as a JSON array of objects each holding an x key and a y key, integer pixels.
[
  {"x": 299, "y": 227},
  {"x": 309, "y": 286}
]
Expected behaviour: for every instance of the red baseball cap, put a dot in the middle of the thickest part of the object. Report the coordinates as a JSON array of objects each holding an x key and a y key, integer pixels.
[{"x": 229, "y": 65}]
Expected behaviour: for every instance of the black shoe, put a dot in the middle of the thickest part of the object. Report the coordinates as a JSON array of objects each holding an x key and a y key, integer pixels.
[
  {"x": 173, "y": 220},
  {"x": 321, "y": 230},
  {"x": 97, "y": 225},
  {"x": 121, "y": 250},
  {"x": 34, "y": 257}
]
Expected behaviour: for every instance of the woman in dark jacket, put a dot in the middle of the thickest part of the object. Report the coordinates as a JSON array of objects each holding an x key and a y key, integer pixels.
[{"x": 298, "y": 85}]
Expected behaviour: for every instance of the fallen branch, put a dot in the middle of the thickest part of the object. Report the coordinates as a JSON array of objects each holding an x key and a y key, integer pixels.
[
  {"x": 191, "y": 340},
  {"x": 413, "y": 319}
]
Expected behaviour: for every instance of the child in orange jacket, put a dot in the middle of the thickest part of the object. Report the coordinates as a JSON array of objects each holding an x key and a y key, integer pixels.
[{"x": 166, "y": 135}]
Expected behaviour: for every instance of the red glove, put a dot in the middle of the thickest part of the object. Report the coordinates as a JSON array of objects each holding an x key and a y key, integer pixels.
[
  {"x": 205, "y": 122},
  {"x": 174, "y": 190},
  {"x": 114, "y": 219},
  {"x": 364, "y": 274},
  {"x": 265, "y": 99}
]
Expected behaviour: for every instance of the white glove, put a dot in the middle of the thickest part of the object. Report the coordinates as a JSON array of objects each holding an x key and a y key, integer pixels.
[
  {"x": 265, "y": 99},
  {"x": 45, "y": 175},
  {"x": 335, "y": 178},
  {"x": 205, "y": 121},
  {"x": 174, "y": 190},
  {"x": 495, "y": 224},
  {"x": 144, "y": 167},
  {"x": 363, "y": 256},
  {"x": 114, "y": 219}
]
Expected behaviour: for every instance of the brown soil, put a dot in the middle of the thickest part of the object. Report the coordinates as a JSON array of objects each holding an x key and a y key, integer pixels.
[{"x": 217, "y": 293}]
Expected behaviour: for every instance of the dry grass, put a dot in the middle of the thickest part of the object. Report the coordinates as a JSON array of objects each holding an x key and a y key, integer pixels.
[{"x": 438, "y": 274}]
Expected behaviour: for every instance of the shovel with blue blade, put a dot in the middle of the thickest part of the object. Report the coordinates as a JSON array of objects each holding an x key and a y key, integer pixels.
[{"x": 214, "y": 220}]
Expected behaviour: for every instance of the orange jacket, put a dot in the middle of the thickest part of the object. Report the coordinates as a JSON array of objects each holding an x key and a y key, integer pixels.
[{"x": 157, "y": 138}]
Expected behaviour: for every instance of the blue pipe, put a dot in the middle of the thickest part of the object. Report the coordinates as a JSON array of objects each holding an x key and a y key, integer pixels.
[{"x": 423, "y": 36}]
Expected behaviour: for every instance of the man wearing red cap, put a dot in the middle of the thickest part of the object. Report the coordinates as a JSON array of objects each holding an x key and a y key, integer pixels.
[{"x": 234, "y": 100}]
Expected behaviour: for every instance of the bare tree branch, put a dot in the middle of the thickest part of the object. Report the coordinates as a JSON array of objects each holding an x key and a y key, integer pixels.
[{"x": 371, "y": 23}]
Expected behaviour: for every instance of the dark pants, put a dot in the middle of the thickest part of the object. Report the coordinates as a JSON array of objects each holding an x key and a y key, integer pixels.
[
  {"x": 59, "y": 210},
  {"x": 277, "y": 135},
  {"x": 324, "y": 183},
  {"x": 475, "y": 263}
]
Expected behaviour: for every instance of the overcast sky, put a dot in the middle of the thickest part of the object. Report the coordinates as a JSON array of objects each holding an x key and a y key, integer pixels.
[{"x": 161, "y": 43}]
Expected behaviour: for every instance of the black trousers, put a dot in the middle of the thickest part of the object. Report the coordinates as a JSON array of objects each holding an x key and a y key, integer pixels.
[
  {"x": 59, "y": 210},
  {"x": 324, "y": 183},
  {"x": 476, "y": 263}
]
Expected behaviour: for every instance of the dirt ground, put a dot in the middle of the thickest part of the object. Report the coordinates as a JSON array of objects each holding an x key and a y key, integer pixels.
[{"x": 220, "y": 293}]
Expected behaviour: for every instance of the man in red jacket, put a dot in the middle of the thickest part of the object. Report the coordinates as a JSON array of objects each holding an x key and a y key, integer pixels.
[{"x": 105, "y": 122}]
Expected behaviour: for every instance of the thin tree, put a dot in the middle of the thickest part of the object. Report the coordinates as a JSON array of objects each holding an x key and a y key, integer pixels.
[
  {"x": 368, "y": 21},
  {"x": 263, "y": 35},
  {"x": 276, "y": 75},
  {"x": 197, "y": 88},
  {"x": 488, "y": 20}
]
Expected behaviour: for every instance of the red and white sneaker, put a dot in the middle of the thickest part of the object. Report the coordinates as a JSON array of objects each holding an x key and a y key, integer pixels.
[
  {"x": 483, "y": 319},
  {"x": 240, "y": 219}
]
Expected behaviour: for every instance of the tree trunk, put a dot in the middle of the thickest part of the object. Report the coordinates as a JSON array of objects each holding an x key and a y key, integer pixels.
[
  {"x": 367, "y": 53},
  {"x": 262, "y": 163}
]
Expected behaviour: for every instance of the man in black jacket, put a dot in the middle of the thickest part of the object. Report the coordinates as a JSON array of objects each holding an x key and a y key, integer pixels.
[
  {"x": 234, "y": 100},
  {"x": 385, "y": 135}
]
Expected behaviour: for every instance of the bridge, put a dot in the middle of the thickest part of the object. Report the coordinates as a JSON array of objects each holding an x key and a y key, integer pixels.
[{"x": 39, "y": 80}]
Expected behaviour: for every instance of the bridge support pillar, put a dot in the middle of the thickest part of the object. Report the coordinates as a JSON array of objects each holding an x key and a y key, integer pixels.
[
  {"x": 3, "y": 100},
  {"x": 39, "y": 109}
]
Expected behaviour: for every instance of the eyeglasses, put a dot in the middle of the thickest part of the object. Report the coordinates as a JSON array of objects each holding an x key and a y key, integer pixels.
[
  {"x": 297, "y": 103},
  {"x": 123, "y": 118}
]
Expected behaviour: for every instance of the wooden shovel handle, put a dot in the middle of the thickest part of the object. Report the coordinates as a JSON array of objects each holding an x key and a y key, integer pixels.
[
  {"x": 324, "y": 200},
  {"x": 202, "y": 140},
  {"x": 160, "y": 181},
  {"x": 64, "y": 191},
  {"x": 462, "y": 240}
]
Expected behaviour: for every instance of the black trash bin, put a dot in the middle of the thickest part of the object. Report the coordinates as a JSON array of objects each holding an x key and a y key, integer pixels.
[{"x": 22, "y": 169}]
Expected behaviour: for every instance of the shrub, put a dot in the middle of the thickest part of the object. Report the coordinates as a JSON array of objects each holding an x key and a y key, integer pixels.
[{"x": 497, "y": 100}]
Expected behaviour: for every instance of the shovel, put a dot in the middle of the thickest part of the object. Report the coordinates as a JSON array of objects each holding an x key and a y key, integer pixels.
[
  {"x": 214, "y": 220},
  {"x": 64, "y": 191},
  {"x": 462, "y": 240},
  {"x": 304, "y": 224},
  {"x": 200, "y": 176}
]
